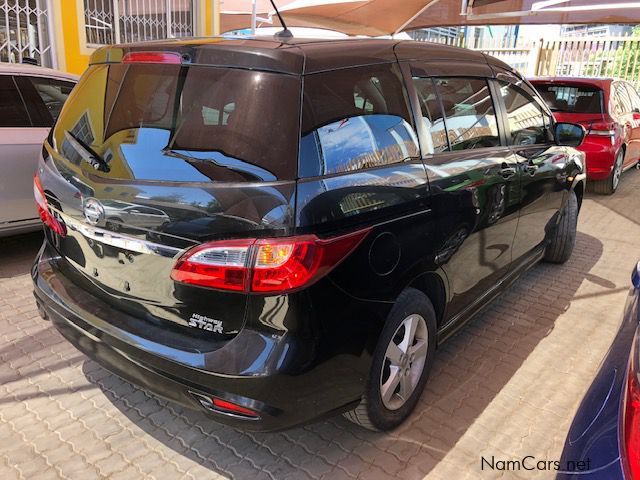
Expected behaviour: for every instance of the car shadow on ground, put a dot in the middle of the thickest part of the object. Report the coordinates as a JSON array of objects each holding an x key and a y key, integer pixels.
[
  {"x": 469, "y": 372},
  {"x": 625, "y": 195},
  {"x": 17, "y": 253}
]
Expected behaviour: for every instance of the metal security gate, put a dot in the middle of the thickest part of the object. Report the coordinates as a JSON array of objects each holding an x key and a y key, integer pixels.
[
  {"x": 24, "y": 32},
  {"x": 116, "y": 21},
  {"x": 592, "y": 56},
  {"x": 617, "y": 57}
]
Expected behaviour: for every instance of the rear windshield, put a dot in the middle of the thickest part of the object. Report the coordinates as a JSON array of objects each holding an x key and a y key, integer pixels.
[
  {"x": 160, "y": 122},
  {"x": 571, "y": 98}
]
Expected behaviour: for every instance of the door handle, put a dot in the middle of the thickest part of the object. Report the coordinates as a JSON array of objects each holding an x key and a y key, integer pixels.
[{"x": 507, "y": 171}]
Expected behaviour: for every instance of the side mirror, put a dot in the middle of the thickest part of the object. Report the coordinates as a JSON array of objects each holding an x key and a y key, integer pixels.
[{"x": 569, "y": 134}]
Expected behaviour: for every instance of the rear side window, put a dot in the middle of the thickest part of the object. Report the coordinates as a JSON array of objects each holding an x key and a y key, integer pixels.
[
  {"x": 12, "y": 110},
  {"x": 621, "y": 99},
  {"x": 355, "y": 119},
  {"x": 432, "y": 117},
  {"x": 633, "y": 95},
  {"x": 525, "y": 117},
  {"x": 571, "y": 98},
  {"x": 469, "y": 113},
  {"x": 50, "y": 95}
]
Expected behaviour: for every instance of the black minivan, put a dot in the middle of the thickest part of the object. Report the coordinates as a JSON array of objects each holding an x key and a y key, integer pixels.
[{"x": 278, "y": 231}]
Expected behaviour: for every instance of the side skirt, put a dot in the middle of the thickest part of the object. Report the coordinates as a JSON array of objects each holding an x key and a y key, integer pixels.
[{"x": 460, "y": 320}]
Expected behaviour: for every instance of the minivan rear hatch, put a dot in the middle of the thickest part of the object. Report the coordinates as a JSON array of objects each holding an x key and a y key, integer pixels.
[
  {"x": 153, "y": 156},
  {"x": 574, "y": 102}
]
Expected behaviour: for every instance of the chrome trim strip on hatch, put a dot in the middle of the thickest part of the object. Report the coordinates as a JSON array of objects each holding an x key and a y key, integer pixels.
[{"x": 119, "y": 240}]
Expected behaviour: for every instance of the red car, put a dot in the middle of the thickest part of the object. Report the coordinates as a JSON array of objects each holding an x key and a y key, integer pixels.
[{"x": 610, "y": 112}]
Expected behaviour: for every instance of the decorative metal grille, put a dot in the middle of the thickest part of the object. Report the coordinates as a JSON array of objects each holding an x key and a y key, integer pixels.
[
  {"x": 98, "y": 21},
  {"x": 24, "y": 31},
  {"x": 115, "y": 21}
]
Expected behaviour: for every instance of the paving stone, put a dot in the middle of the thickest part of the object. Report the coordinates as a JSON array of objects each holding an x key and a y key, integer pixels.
[{"x": 508, "y": 384}]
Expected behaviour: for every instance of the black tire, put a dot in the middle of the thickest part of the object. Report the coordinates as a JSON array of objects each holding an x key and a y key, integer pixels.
[
  {"x": 563, "y": 239},
  {"x": 609, "y": 185},
  {"x": 115, "y": 225},
  {"x": 372, "y": 413}
]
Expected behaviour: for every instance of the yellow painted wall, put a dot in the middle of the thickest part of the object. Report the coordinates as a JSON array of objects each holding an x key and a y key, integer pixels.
[
  {"x": 71, "y": 53},
  {"x": 71, "y": 49}
]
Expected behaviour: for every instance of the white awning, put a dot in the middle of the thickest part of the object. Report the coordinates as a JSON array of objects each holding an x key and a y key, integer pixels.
[{"x": 384, "y": 17}]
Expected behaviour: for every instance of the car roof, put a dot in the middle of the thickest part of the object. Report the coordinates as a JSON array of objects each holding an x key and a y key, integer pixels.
[
  {"x": 601, "y": 82},
  {"x": 25, "y": 69},
  {"x": 295, "y": 55}
]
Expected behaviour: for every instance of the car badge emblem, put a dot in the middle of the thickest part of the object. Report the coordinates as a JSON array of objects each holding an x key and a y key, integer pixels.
[{"x": 93, "y": 211}]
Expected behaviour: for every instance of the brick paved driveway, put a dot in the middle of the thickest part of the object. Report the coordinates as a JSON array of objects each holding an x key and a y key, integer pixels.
[{"x": 507, "y": 386}]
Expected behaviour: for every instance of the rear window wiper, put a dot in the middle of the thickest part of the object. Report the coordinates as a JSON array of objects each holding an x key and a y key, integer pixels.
[{"x": 86, "y": 153}]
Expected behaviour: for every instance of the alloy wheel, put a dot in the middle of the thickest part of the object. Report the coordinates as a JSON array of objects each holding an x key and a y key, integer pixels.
[
  {"x": 404, "y": 361},
  {"x": 617, "y": 171}
]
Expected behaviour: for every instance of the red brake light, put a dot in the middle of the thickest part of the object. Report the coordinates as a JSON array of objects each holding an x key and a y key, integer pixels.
[
  {"x": 264, "y": 265},
  {"x": 43, "y": 209},
  {"x": 604, "y": 129},
  {"x": 220, "y": 265},
  {"x": 233, "y": 408},
  {"x": 152, "y": 57},
  {"x": 632, "y": 416}
]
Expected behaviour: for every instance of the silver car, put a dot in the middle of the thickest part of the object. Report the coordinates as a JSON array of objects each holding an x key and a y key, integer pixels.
[{"x": 30, "y": 100}]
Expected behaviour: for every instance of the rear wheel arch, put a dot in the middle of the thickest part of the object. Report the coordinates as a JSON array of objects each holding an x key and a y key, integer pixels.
[
  {"x": 579, "y": 191},
  {"x": 433, "y": 286}
]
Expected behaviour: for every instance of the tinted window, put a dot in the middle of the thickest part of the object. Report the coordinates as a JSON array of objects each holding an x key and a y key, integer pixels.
[
  {"x": 633, "y": 95},
  {"x": 469, "y": 114},
  {"x": 525, "y": 117},
  {"x": 82, "y": 132},
  {"x": 164, "y": 121},
  {"x": 354, "y": 119},
  {"x": 571, "y": 98},
  {"x": 53, "y": 93},
  {"x": 12, "y": 110},
  {"x": 432, "y": 117},
  {"x": 621, "y": 99}
]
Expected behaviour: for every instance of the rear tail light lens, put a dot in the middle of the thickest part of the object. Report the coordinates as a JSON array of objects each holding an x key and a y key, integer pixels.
[
  {"x": 631, "y": 418},
  {"x": 264, "y": 265},
  {"x": 219, "y": 405},
  {"x": 43, "y": 209},
  {"x": 221, "y": 265},
  {"x": 153, "y": 57},
  {"x": 228, "y": 407},
  {"x": 603, "y": 129}
]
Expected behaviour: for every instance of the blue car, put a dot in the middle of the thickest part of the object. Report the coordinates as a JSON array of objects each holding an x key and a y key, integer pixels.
[{"x": 604, "y": 438}]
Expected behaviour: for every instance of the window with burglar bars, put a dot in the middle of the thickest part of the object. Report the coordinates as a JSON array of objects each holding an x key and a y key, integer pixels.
[
  {"x": 24, "y": 31},
  {"x": 118, "y": 21}
]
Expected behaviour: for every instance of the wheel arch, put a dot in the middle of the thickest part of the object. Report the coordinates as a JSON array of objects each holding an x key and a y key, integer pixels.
[
  {"x": 434, "y": 286},
  {"x": 578, "y": 188}
]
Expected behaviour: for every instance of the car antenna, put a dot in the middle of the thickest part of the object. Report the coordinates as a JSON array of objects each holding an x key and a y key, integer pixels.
[{"x": 285, "y": 33}]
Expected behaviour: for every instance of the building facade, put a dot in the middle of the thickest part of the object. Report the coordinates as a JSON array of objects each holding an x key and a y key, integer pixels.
[
  {"x": 63, "y": 34},
  {"x": 596, "y": 30}
]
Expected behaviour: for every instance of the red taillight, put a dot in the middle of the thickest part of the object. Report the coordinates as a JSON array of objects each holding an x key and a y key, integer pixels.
[
  {"x": 221, "y": 265},
  {"x": 229, "y": 407},
  {"x": 153, "y": 57},
  {"x": 604, "y": 129},
  {"x": 631, "y": 420},
  {"x": 264, "y": 265},
  {"x": 43, "y": 209}
]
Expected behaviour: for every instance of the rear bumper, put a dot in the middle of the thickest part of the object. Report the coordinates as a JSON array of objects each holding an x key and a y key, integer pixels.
[
  {"x": 282, "y": 396},
  {"x": 600, "y": 156}
]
